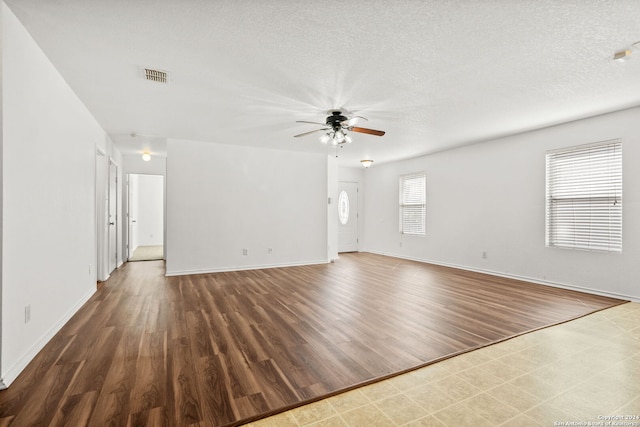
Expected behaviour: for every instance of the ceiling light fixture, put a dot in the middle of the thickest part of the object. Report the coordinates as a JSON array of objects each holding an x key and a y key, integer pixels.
[
  {"x": 366, "y": 163},
  {"x": 146, "y": 156},
  {"x": 336, "y": 137}
]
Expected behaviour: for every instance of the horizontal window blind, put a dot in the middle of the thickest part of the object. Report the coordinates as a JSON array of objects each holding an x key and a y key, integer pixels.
[
  {"x": 584, "y": 197},
  {"x": 412, "y": 204}
]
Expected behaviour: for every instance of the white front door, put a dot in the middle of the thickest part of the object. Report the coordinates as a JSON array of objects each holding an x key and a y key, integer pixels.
[{"x": 348, "y": 217}]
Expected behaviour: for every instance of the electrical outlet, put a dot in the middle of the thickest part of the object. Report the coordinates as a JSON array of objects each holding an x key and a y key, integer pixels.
[
  {"x": 484, "y": 255},
  {"x": 245, "y": 251},
  {"x": 27, "y": 313},
  {"x": 400, "y": 244},
  {"x": 270, "y": 250}
]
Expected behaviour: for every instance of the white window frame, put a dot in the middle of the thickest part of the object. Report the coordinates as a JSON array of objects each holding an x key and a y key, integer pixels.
[
  {"x": 413, "y": 204},
  {"x": 584, "y": 197}
]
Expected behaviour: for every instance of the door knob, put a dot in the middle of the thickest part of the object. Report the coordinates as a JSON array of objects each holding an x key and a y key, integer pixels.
[{"x": 112, "y": 223}]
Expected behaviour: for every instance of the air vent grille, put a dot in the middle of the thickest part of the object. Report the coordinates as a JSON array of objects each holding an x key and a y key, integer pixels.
[{"x": 155, "y": 75}]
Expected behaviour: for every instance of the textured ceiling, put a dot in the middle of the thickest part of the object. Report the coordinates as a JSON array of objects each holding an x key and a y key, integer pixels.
[{"x": 432, "y": 74}]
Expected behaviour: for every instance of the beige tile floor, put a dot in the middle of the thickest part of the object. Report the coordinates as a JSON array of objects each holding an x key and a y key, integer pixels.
[{"x": 571, "y": 374}]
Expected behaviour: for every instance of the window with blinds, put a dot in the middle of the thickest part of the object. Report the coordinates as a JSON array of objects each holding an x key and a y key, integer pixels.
[
  {"x": 412, "y": 204},
  {"x": 584, "y": 197}
]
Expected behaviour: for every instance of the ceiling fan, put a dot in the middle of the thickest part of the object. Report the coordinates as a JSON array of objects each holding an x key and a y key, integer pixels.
[{"x": 336, "y": 127}]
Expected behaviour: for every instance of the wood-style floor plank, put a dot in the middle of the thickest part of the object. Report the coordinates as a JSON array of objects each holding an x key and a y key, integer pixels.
[
  {"x": 222, "y": 349},
  {"x": 75, "y": 410}
]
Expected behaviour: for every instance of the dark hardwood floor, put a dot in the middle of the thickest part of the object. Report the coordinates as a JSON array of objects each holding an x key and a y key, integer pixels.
[{"x": 222, "y": 349}]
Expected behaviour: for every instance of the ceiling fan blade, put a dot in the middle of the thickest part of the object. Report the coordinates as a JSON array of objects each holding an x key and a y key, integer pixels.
[
  {"x": 310, "y": 132},
  {"x": 365, "y": 130},
  {"x": 360, "y": 117},
  {"x": 352, "y": 121},
  {"x": 313, "y": 123}
]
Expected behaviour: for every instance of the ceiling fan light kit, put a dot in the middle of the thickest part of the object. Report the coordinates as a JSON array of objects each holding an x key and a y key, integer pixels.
[{"x": 336, "y": 126}]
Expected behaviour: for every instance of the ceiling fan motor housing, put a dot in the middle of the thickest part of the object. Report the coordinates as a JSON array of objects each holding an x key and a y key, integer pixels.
[{"x": 335, "y": 120}]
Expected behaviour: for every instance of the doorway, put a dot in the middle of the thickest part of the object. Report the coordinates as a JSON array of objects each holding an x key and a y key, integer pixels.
[
  {"x": 145, "y": 217},
  {"x": 348, "y": 217}
]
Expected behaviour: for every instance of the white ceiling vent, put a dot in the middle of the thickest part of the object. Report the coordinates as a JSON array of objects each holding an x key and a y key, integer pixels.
[{"x": 155, "y": 75}]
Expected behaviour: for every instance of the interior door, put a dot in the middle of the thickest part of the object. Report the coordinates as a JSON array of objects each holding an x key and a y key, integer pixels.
[
  {"x": 102, "y": 214},
  {"x": 348, "y": 217},
  {"x": 113, "y": 217},
  {"x": 132, "y": 215}
]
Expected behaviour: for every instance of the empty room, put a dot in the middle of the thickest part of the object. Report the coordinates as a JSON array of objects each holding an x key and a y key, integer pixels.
[{"x": 295, "y": 213}]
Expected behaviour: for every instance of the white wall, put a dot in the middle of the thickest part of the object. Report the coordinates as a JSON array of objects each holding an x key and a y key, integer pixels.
[
  {"x": 223, "y": 198},
  {"x": 48, "y": 224},
  {"x": 150, "y": 209},
  {"x": 134, "y": 164},
  {"x": 351, "y": 174},
  {"x": 332, "y": 207},
  {"x": 491, "y": 197}
]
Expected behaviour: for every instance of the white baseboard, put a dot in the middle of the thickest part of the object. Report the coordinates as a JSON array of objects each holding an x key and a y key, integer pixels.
[
  {"x": 516, "y": 277},
  {"x": 243, "y": 267},
  {"x": 12, "y": 373}
]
